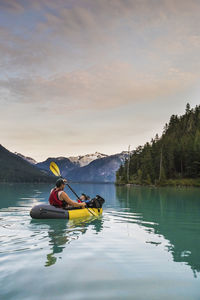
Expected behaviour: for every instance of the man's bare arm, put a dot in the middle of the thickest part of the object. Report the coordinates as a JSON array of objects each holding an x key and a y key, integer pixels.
[{"x": 70, "y": 202}]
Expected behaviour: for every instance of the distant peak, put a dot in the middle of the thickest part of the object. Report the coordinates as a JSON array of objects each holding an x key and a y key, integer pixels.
[{"x": 27, "y": 158}]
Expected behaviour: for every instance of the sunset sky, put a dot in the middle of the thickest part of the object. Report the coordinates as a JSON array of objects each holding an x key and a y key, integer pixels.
[{"x": 79, "y": 76}]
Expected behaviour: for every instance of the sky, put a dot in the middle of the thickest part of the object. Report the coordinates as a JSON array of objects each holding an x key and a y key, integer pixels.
[{"x": 79, "y": 76}]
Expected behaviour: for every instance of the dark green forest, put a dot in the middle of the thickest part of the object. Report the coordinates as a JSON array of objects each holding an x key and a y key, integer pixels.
[
  {"x": 15, "y": 169},
  {"x": 172, "y": 158}
]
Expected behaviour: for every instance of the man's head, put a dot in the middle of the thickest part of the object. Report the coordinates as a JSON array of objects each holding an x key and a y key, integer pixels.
[{"x": 60, "y": 184}]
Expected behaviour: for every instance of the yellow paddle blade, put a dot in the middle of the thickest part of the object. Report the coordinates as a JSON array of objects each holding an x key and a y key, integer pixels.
[{"x": 54, "y": 168}]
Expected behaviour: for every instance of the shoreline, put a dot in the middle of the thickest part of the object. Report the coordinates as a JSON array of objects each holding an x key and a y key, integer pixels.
[{"x": 185, "y": 182}]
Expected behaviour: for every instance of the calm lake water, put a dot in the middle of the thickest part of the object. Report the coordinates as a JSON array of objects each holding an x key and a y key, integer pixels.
[{"x": 145, "y": 246}]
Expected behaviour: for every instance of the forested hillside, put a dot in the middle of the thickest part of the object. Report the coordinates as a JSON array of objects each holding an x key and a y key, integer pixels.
[
  {"x": 172, "y": 158},
  {"x": 16, "y": 169}
]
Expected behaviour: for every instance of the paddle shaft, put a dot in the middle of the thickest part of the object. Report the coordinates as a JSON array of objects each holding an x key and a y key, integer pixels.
[
  {"x": 73, "y": 192},
  {"x": 92, "y": 213}
]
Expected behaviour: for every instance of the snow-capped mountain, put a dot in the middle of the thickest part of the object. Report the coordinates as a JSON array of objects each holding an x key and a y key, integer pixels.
[
  {"x": 64, "y": 164},
  {"x": 96, "y": 167},
  {"x": 99, "y": 170},
  {"x": 84, "y": 160},
  {"x": 29, "y": 159}
]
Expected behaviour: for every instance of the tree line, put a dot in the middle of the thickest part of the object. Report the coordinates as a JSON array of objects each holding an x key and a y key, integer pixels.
[{"x": 174, "y": 155}]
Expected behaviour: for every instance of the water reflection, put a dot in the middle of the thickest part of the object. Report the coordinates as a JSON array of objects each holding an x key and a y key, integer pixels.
[
  {"x": 15, "y": 204},
  {"x": 168, "y": 212},
  {"x": 62, "y": 232},
  {"x": 22, "y": 195},
  {"x": 171, "y": 212},
  {"x": 13, "y": 194}
]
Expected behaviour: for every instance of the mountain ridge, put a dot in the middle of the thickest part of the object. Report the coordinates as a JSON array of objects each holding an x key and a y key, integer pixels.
[
  {"x": 27, "y": 158},
  {"x": 83, "y": 160},
  {"x": 101, "y": 169},
  {"x": 93, "y": 167},
  {"x": 16, "y": 169}
]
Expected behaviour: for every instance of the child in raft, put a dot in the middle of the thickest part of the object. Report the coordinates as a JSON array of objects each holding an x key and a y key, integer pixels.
[{"x": 83, "y": 198}]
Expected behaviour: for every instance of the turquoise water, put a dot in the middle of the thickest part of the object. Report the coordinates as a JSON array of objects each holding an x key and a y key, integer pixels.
[{"x": 145, "y": 246}]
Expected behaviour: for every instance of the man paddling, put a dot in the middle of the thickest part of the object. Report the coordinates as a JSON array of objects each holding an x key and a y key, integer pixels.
[{"x": 60, "y": 199}]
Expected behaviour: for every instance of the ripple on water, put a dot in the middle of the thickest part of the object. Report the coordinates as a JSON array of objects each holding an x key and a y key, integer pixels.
[
  {"x": 141, "y": 244},
  {"x": 128, "y": 217}
]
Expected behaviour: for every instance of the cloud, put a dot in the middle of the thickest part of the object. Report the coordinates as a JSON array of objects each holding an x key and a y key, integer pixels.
[
  {"x": 114, "y": 58},
  {"x": 11, "y": 6},
  {"x": 68, "y": 35},
  {"x": 100, "y": 87}
]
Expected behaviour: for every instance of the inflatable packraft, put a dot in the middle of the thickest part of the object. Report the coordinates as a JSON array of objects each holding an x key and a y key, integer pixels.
[{"x": 46, "y": 211}]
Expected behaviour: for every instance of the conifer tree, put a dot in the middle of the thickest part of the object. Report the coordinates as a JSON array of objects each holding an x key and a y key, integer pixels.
[{"x": 180, "y": 148}]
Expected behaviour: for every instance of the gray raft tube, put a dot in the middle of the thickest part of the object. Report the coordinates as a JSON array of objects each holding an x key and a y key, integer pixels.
[{"x": 45, "y": 211}]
